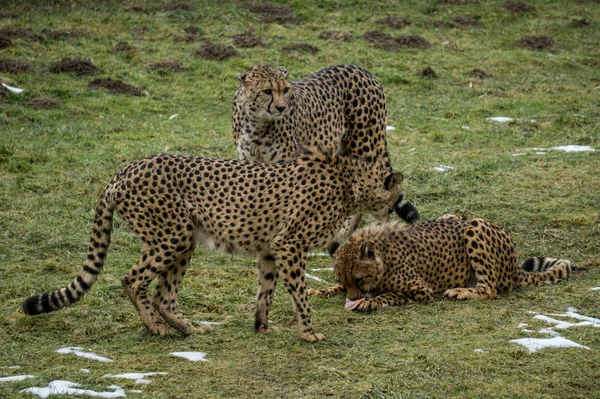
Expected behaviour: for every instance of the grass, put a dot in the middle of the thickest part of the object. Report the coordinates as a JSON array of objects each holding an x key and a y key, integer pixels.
[{"x": 54, "y": 163}]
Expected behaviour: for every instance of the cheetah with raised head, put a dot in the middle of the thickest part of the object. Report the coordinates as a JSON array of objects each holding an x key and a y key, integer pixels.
[
  {"x": 340, "y": 109},
  {"x": 278, "y": 211},
  {"x": 391, "y": 264}
]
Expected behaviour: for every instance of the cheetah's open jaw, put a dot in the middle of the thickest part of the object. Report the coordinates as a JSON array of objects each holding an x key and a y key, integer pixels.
[{"x": 351, "y": 305}]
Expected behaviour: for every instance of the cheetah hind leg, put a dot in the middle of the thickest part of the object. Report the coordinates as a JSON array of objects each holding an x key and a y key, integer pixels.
[
  {"x": 165, "y": 297},
  {"x": 136, "y": 284},
  {"x": 267, "y": 279}
]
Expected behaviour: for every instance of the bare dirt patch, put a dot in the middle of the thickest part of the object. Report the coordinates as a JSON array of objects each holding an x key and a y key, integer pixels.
[
  {"x": 429, "y": 73},
  {"x": 517, "y": 6},
  {"x": 64, "y": 34},
  {"x": 271, "y": 13},
  {"x": 115, "y": 87},
  {"x": 165, "y": 67},
  {"x": 19, "y": 33},
  {"x": 388, "y": 42},
  {"x": 44, "y": 103},
  {"x": 13, "y": 65},
  {"x": 394, "y": 22},
  {"x": 192, "y": 30},
  {"x": 480, "y": 74},
  {"x": 309, "y": 48},
  {"x": 336, "y": 35},
  {"x": 247, "y": 40},
  {"x": 466, "y": 21},
  {"x": 78, "y": 66},
  {"x": 216, "y": 52},
  {"x": 5, "y": 42},
  {"x": 122, "y": 47},
  {"x": 535, "y": 42},
  {"x": 580, "y": 22}
]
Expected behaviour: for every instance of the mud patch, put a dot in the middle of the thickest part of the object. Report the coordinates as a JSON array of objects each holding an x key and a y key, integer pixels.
[
  {"x": 459, "y": 2},
  {"x": 12, "y": 65},
  {"x": 177, "y": 7},
  {"x": 429, "y": 73},
  {"x": 44, "y": 103},
  {"x": 336, "y": 35},
  {"x": 517, "y": 7},
  {"x": 78, "y": 66},
  {"x": 305, "y": 47},
  {"x": 270, "y": 13},
  {"x": 247, "y": 40},
  {"x": 480, "y": 74},
  {"x": 576, "y": 22},
  {"x": 192, "y": 30},
  {"x": 115, "y": 87},
  {"x": 166, "y": 67},
  {"x": 388, "y": 42},
  {"x": 63, "y": 34},
  {"x": 5, "y": 42},
  {"x": 19, "y": 33},
  {"x": 216, "y": 52},
  {"x": 535, "y": 42},
  {"x": 394, "y": 22},
  {"x": 466, "y": 21},
  {"x": 3, "y": 91},
  {"x": 122, "y": 47}
]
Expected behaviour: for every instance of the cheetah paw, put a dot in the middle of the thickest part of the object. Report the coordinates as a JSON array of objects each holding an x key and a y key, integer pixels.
[{"x": 311, "y": 337}]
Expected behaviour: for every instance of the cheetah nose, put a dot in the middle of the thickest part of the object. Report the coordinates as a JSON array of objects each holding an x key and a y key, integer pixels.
[{"x": 280, "y": 108}]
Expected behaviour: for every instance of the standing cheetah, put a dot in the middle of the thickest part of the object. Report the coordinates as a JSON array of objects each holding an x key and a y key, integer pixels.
[{"x": 278, "y": 211}]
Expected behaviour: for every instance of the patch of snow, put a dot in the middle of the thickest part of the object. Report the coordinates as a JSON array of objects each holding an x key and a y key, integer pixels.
[
  {"x": 16, "y": 378},
  {"x": 521, "y": 325},
  {"x": 551, "y": 55},
  {"x": 549, "y": 331},
  {"x": 314, "y": 277},
  {"x": 140, "y": 378},
  {"x": 466, "y": 127},
  {"x": 572, "y": 312},
  {"x": 535, "y": 344},
  {"x": 389, "y": 128},
  {"x": 443, "y": 168},
  {"x": 13, "y": 89},
  {"x": 526, "y": 330},
  {"x": 501, "y": 119},
  {"x": 10, "y": 367},
  {"x": 328, "y": 269},
  {"x": 210, "y": 323},
  {"x": 481, "y": 351},
  {"x": 517, "y": 154},
  {"x": 412, "y": 149},
  {"x": 135, "y": 391},
  {"x": 317, "y": 254},
  {"x": 574, "y": 148},
  {"x": 540, "y": 153},
  {"x": 79, "y": 352},
  {"x": 173, "y": 116},
  {"x": 595, "y": 289},
  {"x": 84, "y": 370},
  {"x": 59, "y": 387},
  {"x": 192, "y": 356}
]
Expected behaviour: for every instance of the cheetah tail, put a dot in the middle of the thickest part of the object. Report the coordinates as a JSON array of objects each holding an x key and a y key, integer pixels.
[
  {"x": 406, "y": 210},
  {"x": 539, "y": 270},
  {"x": 99, "y": 241}
]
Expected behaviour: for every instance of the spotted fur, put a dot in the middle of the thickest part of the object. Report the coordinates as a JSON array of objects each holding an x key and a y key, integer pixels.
[
  {"x": 391, "y": 264},
  {"x": 340, "y": 109},
  {"x": 277, "y": 211}
]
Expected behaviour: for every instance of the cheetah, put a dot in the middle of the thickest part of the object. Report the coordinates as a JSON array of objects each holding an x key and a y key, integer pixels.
[
  {"x": 340, "y": 108},
  {"x": 278, "y": 211},
  {"x": 392, "y": 263}
]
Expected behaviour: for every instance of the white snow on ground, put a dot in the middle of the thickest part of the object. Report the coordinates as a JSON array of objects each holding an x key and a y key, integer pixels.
[
  {"x": 521, "y": 325},
  {"x": 84, "y": 370},
  {"x": 389, "y": 128},
  {"x": 572, "y": 312},
  {"x": 210, "y": 323},
  {"x": 481, "y": 351},
  {"x": 317, "y": 254},
  {"x": 135, "y": 391},
  {"x": 565, "y": 148},
  {"x": 79, "y": 352},
  {"x": 10, "y": 367},
  {"x": 501, "y": 119},
  {"x": 173, "y": 116},
  {"x": 16, "y": 378},
  {"x": 595, "y": 289},
  {"x": 59, "y": 387},
  {"x": 443, "y": 168},
  {"x": 192, "y": 356},
  {"x": 314, "y": 277},
  {"x": 13, "y": 89},
  {"x": 535, "y": 344},
  {"x": 140, "y": 378},
  {"x": 329, "y": 269}
]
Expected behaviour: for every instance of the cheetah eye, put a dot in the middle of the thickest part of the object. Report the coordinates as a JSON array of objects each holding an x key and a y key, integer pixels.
[
  {"x": 268, "y": 91},
  {"x": 286, "y": 90}
]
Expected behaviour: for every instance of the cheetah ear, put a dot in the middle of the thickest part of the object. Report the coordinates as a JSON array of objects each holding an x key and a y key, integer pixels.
[
  {"x": 367, "y": 250},
  {"x": 283, "y": 71},
  {"x": 241, "y": 77},
  {"x": 392, "y": 180},
  {"x": 333, "y": 247}
]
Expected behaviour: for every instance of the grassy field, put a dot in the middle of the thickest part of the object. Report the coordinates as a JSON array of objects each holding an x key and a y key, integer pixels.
[{"x": 61, "y": 141}]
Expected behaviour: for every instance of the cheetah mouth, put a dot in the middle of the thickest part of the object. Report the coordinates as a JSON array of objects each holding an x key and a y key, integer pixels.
[{"x": 353, "y": 304}]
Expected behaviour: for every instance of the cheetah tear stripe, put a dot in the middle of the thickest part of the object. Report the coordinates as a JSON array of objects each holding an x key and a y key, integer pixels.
[
  {"x": 59, "y": 387},
  {"x": 79, "y": 352}
]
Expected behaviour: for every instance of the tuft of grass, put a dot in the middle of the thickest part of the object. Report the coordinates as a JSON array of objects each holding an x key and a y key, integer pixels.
[{"x": 54, "y": 163}]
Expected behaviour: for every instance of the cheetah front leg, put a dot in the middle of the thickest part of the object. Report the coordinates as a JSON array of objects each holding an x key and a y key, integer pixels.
[
  {"x": 267, "y": 278},
  {"x": 327, "y": 292},
  {"x": 416, "y": 290}
]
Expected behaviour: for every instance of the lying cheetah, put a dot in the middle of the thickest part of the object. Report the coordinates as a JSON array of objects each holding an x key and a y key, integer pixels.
[
  {"x": 340, "y": 109},
  {"x": 392, "y": 263},
  {"x": 278, "y": 211}
]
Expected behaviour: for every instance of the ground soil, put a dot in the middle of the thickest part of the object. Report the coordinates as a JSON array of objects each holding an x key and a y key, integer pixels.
[
  {"x": 535, "y": 42},
  {"x": 122, "y": 47},
  {"x": 517, "y": 6},
  {"x": 394, "y": 22},
  {"x": 388, "y": 42},
  {"x": 5, "y": 42},
  {"x": 19, "y": 33},
  {"x": 466, "y": 21},
  {"x": 336, "y": 35},
  {"x": 577, "y": 22},
  {"x": 309, "y": 48},
  {"x": 78, "y": 66},
  {"x": 216, "y": 52},
  {"x": 115, "y": 86},
  {"x": 272, "y": 13},
  {"x": 64, "y": 34},
  {"x": 13, "y": 65},
  {"x": 165, "y": 67},
  {"x": 192, "y": 30},
  {"x": 188, "y": 38},
  {"x": 247, "y": 40},
  {"x": 429, "y": 73},
  {"x": 44, "y": 103},
  {"x": 480, "y": 73}
]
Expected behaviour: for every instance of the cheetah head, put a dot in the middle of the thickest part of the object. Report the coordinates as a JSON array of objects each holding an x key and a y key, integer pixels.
[
  {"x": 377, "y": 191},
  {"x": 358, "y": 267},
  {"x": 265, "y": 92}
]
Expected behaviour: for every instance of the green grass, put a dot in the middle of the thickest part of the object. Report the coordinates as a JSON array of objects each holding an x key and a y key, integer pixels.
[{"x": 54, "y": 163}]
